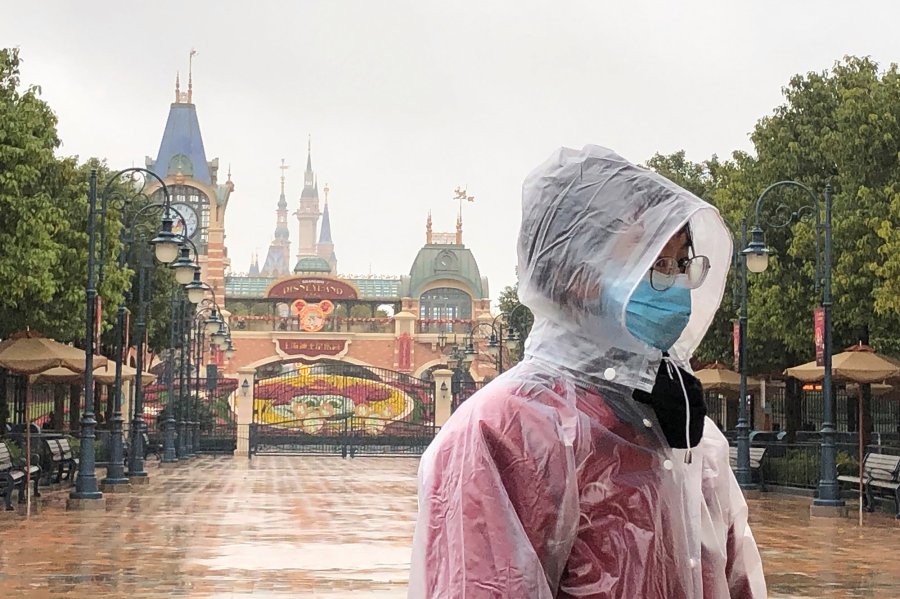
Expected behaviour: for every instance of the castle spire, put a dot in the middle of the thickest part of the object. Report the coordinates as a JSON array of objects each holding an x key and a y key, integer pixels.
[
  {"x": 428, "y": 232},
  {"x": 278, "y": 257},
  {"x": 177, "y": 87},
  {"x": 310, "y": 181},
  {"x": 190, "y": 98},
  {"x": 283, "y": 168}
]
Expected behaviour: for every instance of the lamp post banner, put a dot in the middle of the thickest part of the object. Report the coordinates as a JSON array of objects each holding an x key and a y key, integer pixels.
[
  {"x": 98, "y": 322},
  {"x": 736, "y": 334},
  {"x": 819, "y": 328}
]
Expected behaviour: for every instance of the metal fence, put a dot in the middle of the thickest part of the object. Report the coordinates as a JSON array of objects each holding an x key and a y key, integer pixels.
[
  {"x": 463, "y": 390},
  {"x": 345, "y": 409},
  {"x": 798, "y": 465},
  {"x": 884, "y": 411},
  {"x": 208, "y": 403}
]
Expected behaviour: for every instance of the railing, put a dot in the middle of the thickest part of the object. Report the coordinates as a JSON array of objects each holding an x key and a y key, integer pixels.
[
  {"x": 463, "y": 390},
  {"x": 448, "y": 327},
  {"x": 332, "y": 325},
  {"x": 798, "y": 465},
  {"x": 884, "y": 411}
]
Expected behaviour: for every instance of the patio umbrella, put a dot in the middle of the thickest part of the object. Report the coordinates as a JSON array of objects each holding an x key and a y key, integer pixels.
[
  {"x": 718, "y": 377},
  {"x": 857, "y": 364},
  {"x": 105, "y": 375},
  {"x": 29, "y": 352}
]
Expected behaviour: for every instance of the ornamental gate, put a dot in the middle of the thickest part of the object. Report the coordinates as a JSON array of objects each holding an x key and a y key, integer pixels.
[{"x": 342, "y": 409}]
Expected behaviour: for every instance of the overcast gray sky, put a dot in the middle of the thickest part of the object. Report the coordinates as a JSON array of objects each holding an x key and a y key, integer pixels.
[{"x": 406, "y": 100}]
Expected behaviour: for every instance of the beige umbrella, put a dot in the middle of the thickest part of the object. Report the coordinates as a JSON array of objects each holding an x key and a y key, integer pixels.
[
  {"x": 858, "y": 364},
  {"x": 718, "y": 377},
  {"x": 105, "y": 375},
  {"x": 29, "y": 352}
]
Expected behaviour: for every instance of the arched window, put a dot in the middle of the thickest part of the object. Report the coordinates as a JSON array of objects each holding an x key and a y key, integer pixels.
[{"x": 447, "y": 304}]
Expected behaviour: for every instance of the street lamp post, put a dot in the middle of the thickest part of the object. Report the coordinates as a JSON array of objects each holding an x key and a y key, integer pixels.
[
  {"x": 757, "y": 258},
  {"x": 86, "y": 482},
  {"x": 136, "y": 457},
  {"x": 742, "y": 472},
  {"x": 165, "y": 248},
  {"x": 496, "y": 342},
  {"x": 169, "y": 452},
  {"x": 181, "y": 447},
  {"x": 459, "y": 360},
  {"x": 209, "y": 309}
]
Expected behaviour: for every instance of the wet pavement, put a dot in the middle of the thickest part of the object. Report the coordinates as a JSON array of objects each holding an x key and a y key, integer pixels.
[{"x": 308, "y": 527}]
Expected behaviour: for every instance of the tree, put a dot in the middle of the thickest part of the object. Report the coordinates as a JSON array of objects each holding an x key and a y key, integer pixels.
[
  {"x": 515, "y": 318},
  {"x": 841, "y": 126},
  {"x": 43, "y": 219}
]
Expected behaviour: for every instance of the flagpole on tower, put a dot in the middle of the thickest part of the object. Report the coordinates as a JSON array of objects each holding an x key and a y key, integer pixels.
[
  {"x": 461, "y": 193},
  {"x": 191, "y": 76}
]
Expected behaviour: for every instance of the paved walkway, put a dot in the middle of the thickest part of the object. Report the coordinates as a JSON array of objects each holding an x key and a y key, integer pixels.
[{"x": 311, "y": 527}]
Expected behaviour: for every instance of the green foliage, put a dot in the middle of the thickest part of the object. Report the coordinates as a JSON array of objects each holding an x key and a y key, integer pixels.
[
  {"x": 43, "y": 219},
  {"x": 360, "y": 311},
  {"x": 161, "y": 284},
  {"x": 847, "y": 465},
  {"x": 519, "y": 319},
  {"x": 239, "y": 308},
  {"x": 841, "y": 126},
  {"x": 795, "y": 468},
  {"x": 261, "y": 309},
  {"x": 15, "y": 452}
]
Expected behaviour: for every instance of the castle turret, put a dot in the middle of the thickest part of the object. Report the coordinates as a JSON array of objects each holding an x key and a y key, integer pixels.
[
  {"x": 278, "y": 259},
  {"x": 308, "y": 214},
  {"x": 325, "y": 247}
]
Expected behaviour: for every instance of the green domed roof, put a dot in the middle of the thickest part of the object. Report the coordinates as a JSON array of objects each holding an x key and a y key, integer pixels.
[
  {"x": 312, "y": 264},
  {"x": 454, "y": 262}
]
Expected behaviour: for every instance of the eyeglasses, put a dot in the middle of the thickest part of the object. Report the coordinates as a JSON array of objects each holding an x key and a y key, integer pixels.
[{"x": 666, "y": 270}]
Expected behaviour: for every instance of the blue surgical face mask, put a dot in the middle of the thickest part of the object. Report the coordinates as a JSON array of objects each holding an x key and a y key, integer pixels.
[{"x": 658, "y": 318}]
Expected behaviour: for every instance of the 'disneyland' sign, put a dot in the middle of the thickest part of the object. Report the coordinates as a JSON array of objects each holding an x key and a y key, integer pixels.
[
  {"x": 312, "y": 288},
  {"x": 312, "y": 347}
]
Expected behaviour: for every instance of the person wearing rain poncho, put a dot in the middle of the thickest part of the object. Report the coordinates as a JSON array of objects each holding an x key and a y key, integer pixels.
[{"x": 590, "y": 470}]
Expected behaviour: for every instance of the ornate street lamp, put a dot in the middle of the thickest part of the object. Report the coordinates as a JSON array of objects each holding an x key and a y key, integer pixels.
[
  {"x": 757, "y": 256},
  {"x": 165, "y": 245},
  {"x": 184, "y": 267},
  {"x": 742, "y": 471},
  {"x": 196, "y": 289}
]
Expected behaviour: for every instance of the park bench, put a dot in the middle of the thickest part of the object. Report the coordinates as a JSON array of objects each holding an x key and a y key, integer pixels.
[
  {"x": 880, "y": 473},
  {"x": 149, "y": 447},
  {"x": 12, "y": 476},
  {"x": 57, "y": 462},
  {"x": 68, "y": 459},
  {"x": 756, "y": 458},
  {"x": 154, "y": 447}
]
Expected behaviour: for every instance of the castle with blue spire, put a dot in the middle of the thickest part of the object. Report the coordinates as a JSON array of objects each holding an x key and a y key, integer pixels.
[
  {"x": 312, "y": 256},
  {"x": 193, "y": 184}
]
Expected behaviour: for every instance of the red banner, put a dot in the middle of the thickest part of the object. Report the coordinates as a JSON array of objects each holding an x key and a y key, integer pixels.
[
  {"x": 736, "y": 333},
  {"x": 312, "y": 347},
  {"x": 819, "y": 328},
  {"x": 127, "y": 333},
  {"x": 98, "y": 322},
  {"x": 404, "y": 353}
]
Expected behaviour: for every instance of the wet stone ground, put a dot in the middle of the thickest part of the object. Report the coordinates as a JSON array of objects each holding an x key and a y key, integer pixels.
[{"x": 312, "y": 527}]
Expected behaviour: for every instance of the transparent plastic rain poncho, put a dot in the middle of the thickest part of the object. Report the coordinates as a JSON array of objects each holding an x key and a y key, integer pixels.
[{"x": 552, "y": 482}]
